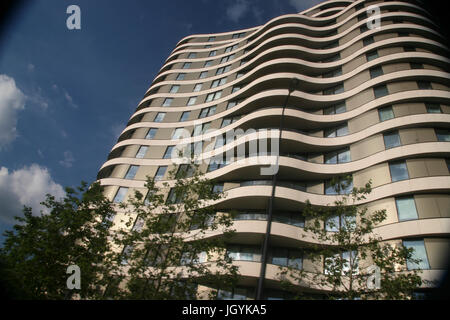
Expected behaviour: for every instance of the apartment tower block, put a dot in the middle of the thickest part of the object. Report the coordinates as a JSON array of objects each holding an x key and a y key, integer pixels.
[{"x": 370, "y": 99}]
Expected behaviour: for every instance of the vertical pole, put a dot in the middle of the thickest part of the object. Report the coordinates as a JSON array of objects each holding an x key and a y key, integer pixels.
[{"x": 259, "y": 291}]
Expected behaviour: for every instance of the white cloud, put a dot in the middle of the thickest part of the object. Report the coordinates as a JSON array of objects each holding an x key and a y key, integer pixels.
[
  {"x": 30, "y": 67},
  {"x": 12, "y": 100},
  {"x": 27, "y": 186},
  {"x": 301, "y": 5},
  {"x": 36, "y": 97},
  {"x": 237, "y": 10},
  {"x": 68, "y": 160},
  {"x": 69, "y": 99}
]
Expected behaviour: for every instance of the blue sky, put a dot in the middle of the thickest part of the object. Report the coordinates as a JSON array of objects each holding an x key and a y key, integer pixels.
[{"x": 65, "y": 95}]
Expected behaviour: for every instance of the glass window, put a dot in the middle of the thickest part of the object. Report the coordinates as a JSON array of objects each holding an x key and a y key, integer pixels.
[
  {"x": 333, "y": 58},
  {"x": 336, "y": 109},
  {"x": 341, "y": 156},
  {"x": 185, "y": 171},
  {"x": 342, "y": 131},
  {"x": 173, "y": 197},
  {"x": 223, "y": 69},
  {"x": 371, "y": 55},
  {"x": 211, "y": 39},
  {"x": 213, "y": 96},
  {"x": 362, "y": 16},
  {"x": 212, "y": 53},
  {"x": 433, "y": 108},
  {"x": 228, "y": 121},
  {"x": 120, "y": 195},
  {"x": 168, "y": 153},
  {"x": 280, "y": 256},
  {"x": 197, "y": 87},
  {"x": 385, "y": 113},
  {"x": 406, "y": 208},
  {"x": 141, "y": 152},
  {"x": 167, "y": 102},
  {"x": 399, "y": 171},
  {"x": 240, "y": 74},
  {"x": 336, "y": 132},
  {"x": 339, "y": 187},
  {"x": 160, "y": 173},
  {"x": 151, "y": 133},
  {"x": 191, "y": 101},
  {"x": 184, "y": 116},
  {"x": 238, "y": 35},
  {"x": 126, "y": 253},
  {"x": 226, "y": 59},
  {"x": 415, "y": 65},
  {"x": 207, "y": 112},
  {"x": 333, "y": 73},
  {"x": 159, "y": 116},
  {"x": 203, "y": 113},
  {"x": 332, "y": 224},
  {"x": 138, "y": 224},
  {"x": 336, "y": 222},
  {"x": 207, "y": 63},
  {"x": 380, "y": 91},
  {"x": 368, "y": 40},
  {"x": 219, "y": 82},
  {"x": 201, "y": 128},
  {"x": 236, "y": 294},
  {"x": 181, "y": 76},
  {"x": 178, "y": 133},
  {"x": 443, "y": 135},
  {"x": 335, "y": 90},
  {"x": 344, "y": 156},
  {"x": 218, "y": 188},
  {"x": 186, "y": 65},
  {"x": 363, "y": 28},
  {"x": 231, "y": 104},
  {"x": 409, "y": 49},
  {"x": 192, "y": 55},
  {"x": 350, "y": 262},
  {"x": 235, "y": 88},
  {"x": 391, "y": 139},
  {"x": 131, "y": 173},
  {"x": 424, "y": 85},
  {"x": 376, "y": 72},
  {"x": 419, "y": 253},
  {"x": 174, "y": 88},
  {"x": 203, "y": 74}
]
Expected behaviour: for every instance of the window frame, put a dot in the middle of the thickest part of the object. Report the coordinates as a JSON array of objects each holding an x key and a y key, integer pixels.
[
  {"x": 390, "y": 134},
  {"x": 394, "y": 163},
  {"x": 162, "y": 114},
  {"x": 399, "y": 207}
]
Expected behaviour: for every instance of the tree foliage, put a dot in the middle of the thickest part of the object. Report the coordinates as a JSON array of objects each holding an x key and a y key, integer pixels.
[
  {"x": 349, "y": 260},
  {"x": 40, "y": 248},
  {"x": 175, "y": 244},
  {"x": 146, "y": 248}
]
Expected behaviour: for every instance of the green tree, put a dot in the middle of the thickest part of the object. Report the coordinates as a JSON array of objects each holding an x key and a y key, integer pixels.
[
  {"x": 172, "y": 246},
  {"x": 40, "y": 248},
  {"x": 348, "y": 259}
]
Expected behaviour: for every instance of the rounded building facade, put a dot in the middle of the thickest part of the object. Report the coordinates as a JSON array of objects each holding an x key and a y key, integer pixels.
[{"x": 372, "y": 101}]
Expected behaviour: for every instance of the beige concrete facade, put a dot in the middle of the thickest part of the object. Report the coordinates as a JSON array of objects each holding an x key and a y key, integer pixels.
[{"x": 395, "y": 86}]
